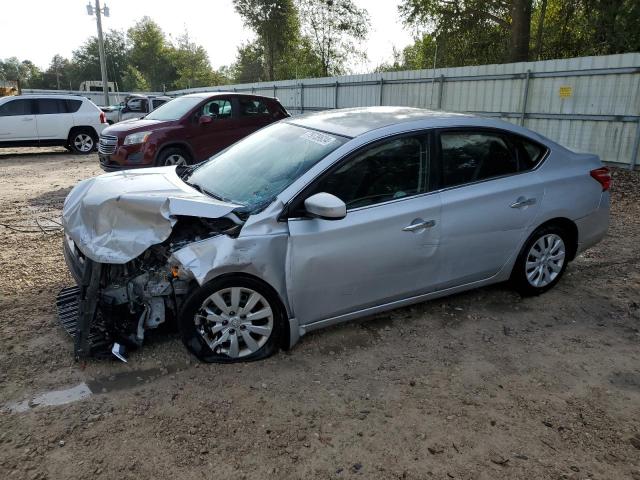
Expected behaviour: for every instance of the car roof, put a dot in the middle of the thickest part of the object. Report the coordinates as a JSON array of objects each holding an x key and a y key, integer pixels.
[
  {"x": 352, "y": 122},
  {"x": 226, "y": 94},
  {"x": 36, "y": 96}
]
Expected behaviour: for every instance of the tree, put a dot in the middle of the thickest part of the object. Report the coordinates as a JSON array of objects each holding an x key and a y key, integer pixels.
[
  {"x": 335, "y": 29},
  {"x": 276, "y": 25},
  {"x": 191, "y": 64},
  {"x": 491, "y": 30},
  {"x": 249, "y": 66},
  {"x": 58, "y": 75},
  {"x": 134, "y": 81},
  {"x": 85, "y": 61},
  {"x": 25, "y": 71},
  {"x": 151, "y": 53}
]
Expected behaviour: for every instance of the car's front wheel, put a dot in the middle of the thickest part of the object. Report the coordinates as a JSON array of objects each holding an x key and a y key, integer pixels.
[
  {"x": 542, "y": 261},
  {"x": 82, "y": 141},
  {"x": 231, "y": 319},
  {"x": 172, "y": 156}
]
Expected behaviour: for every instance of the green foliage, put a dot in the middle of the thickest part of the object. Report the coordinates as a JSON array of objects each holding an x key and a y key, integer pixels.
[
  {"x": 334, "y": 30},
  {"x": 134, "y": 81},
  {"x": 151, "y": 54},
  {"x": 25, "y": 71},
  {"x": 474, "y": 32},
  {"x": 276, "y": 25},
  {"x": 191, "y": 64},
  {"x": 85, "y": 61}
]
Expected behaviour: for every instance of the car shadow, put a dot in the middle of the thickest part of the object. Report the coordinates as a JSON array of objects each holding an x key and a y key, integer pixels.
[
  {"x": 34, "y": 153},
  {"x": 50, "y": 200}
]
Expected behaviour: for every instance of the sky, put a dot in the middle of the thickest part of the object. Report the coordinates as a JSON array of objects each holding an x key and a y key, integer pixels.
[{"x": 38, "y": 29}]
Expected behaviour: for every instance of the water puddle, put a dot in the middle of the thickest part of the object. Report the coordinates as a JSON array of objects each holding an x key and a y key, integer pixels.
[
  {"x": 99, "y": 385},
  {"x": 51, "y": 399}
]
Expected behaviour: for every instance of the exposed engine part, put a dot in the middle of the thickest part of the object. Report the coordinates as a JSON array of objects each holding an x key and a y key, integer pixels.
[{"x": 126, "y": 300}]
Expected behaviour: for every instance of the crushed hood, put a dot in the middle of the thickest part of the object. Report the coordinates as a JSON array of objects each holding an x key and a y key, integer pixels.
[{"x": 113, "y": 218}]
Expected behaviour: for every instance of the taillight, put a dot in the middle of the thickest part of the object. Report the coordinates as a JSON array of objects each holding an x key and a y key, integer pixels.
[
  {"x": 603, "y": 176},
  {"x": 103, "y": 117}
]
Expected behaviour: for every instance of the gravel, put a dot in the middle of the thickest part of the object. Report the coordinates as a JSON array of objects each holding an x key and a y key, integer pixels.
[{"x": 481, "y": 385}]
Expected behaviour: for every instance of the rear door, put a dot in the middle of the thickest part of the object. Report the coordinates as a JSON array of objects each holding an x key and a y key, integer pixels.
[
  {"x": 490, "y": 196},
  {"x": 207, "y": 139},
  {"x": 54, "y": 118},
  {"x": 18, "y": 121},
  {"x": 253, "y": 114}
]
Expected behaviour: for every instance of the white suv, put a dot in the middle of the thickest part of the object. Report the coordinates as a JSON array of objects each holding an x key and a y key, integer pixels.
[{"x": 70, "y": 121}]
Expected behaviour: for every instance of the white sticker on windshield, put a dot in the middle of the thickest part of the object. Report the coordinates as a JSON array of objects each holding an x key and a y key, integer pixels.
[{"x": 319, "y": 138}]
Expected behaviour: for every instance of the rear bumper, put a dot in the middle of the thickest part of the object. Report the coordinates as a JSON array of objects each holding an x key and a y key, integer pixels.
[{"x": 593, "y": 228}]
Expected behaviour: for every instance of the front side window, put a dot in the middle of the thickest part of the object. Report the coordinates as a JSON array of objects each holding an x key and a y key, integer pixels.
[
  {"x": 16, "y": 107},
  {"x": 252, "y": 107},
  {"x": 255, "y": 170},
  {"x": 473, "y": 156},
  {"x": 157, "y": 103},
  {"x": 387, "y": 171},
  {"x": 219, "y": 108}
]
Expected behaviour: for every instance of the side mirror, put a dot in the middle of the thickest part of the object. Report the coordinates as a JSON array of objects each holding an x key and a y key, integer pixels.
[
  {"x": 326, "y": 206},
  {"x": 205, "y": 120}
]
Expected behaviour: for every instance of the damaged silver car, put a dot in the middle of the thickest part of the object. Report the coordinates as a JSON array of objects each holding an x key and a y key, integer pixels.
[{"x": 321, "y": 219}]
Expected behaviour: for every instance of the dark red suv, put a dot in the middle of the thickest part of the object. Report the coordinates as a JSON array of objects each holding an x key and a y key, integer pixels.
[{"x": 186, "y": 130}]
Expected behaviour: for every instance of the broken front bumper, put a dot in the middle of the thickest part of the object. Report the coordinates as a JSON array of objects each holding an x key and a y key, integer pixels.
[{"x": 68, "y": 309}]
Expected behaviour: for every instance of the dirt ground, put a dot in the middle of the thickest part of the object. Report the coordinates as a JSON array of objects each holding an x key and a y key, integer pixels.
[{"x": 482, "y": 385}]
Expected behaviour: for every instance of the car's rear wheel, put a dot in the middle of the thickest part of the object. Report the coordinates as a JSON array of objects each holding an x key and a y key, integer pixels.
[
  {"x": 173, "y": 156},
  {"x": 542, "y": 261},
  {"x": 82, "y": 141},
  {"x": 232, "y": 319}
]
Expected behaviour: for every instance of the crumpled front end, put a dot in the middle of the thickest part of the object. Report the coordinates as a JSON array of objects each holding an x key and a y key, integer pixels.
[{"x": 121, "y": 231}]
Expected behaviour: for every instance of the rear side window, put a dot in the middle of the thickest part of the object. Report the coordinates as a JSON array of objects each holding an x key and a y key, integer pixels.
[
  {"x": 72, "y": 105},
  {"x": 473, "y": 156},
  {"x": 17, "y": 107},
  {"x": 252, "y": 107},
  {"x": 49, "y": 106},
  {"x": 529, "y": 154}
]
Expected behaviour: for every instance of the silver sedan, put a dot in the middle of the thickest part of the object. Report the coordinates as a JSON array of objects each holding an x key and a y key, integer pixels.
[{"x": 325, "y": 218}]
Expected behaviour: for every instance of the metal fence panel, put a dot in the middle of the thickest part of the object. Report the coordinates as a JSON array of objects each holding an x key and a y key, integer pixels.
[{"x": 588, "y": 103}]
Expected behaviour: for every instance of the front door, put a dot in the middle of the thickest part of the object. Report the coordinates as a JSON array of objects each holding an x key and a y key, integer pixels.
[
  {"x": 385, "y": 249},
  {"x": 207, "y": 139},
  {"x": 17, "y": 121},
  {"x": 489, "y": 200}
]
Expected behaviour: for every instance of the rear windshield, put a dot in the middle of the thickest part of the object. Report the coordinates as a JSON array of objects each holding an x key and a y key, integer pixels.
[
  {"x": 174, "y": 109},
  {"x": 255, "y": 170}
]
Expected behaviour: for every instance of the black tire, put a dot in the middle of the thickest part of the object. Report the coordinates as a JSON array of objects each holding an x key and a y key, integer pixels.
[
  {"x": 194, "y": 340},
  {"x": 519, "y": 278},
  {"x": 168, "y": 156},
  {"x": 82, "y": 141}
]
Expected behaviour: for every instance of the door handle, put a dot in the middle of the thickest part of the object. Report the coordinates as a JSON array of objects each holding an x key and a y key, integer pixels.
[
  {"x": 421, "y": 225},
  {"x": 523, "y": 202},
  {"x": 27, "y": 119}
]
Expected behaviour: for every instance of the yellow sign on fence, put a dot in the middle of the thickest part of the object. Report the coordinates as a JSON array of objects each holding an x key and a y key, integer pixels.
[{"x": 566, "y": 91}]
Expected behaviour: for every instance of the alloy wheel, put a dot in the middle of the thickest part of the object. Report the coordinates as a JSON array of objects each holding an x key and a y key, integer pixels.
[
  {"x": 175, "y": 159},
  {"x": 235, "y": 321},
  {"x": 545, "y": 260},
  {"x": 83, "y": 142}
]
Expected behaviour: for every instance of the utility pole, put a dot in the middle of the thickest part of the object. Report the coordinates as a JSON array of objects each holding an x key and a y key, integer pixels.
[{"x": 103, "y": 61}]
